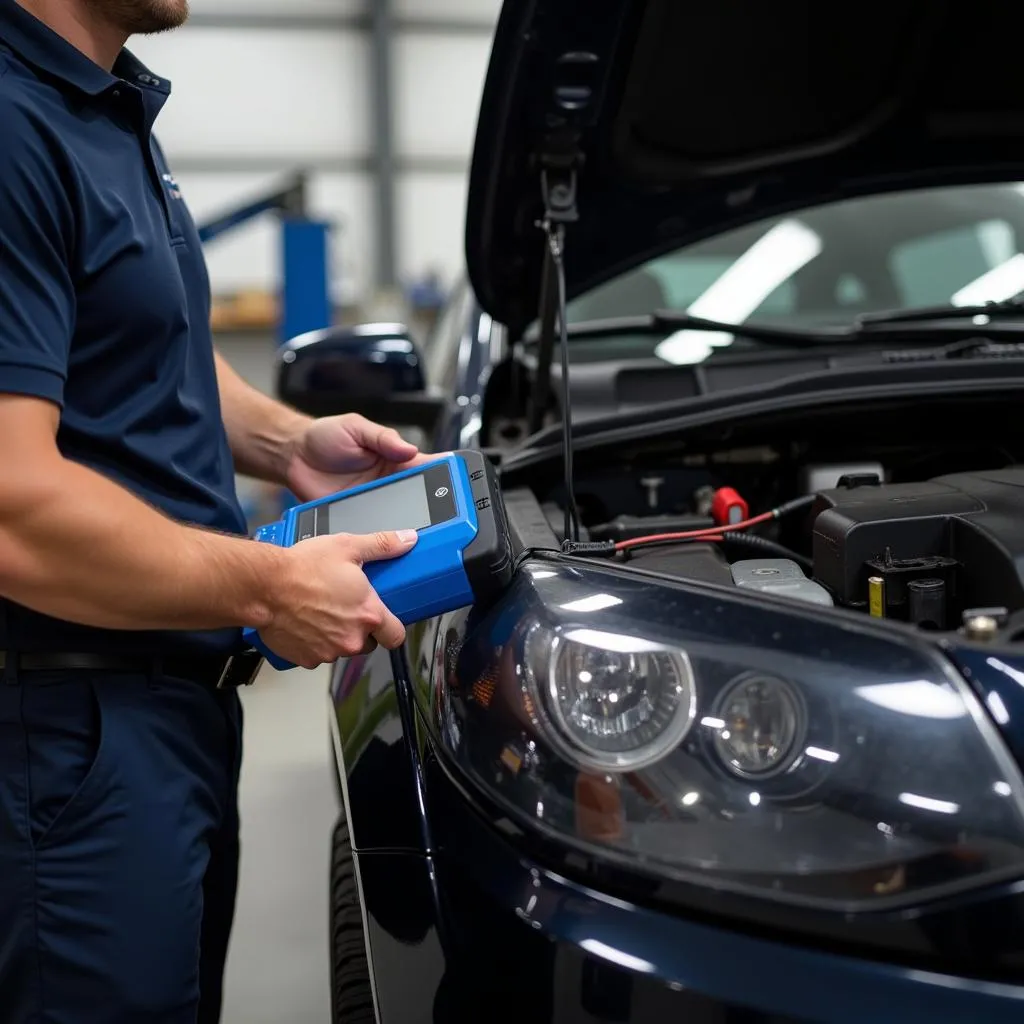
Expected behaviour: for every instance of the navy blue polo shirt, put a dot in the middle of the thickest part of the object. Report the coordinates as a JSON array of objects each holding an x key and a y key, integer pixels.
[{"x": 105, "y": 300}]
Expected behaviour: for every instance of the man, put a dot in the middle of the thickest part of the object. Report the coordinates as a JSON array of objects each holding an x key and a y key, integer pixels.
[{"x": 125, "y": 576}]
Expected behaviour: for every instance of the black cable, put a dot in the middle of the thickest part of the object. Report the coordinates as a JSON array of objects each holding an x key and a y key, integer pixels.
[
  {"x": 538, "y": 401},
  {"x": 767, "y": 546},
  {"x": 795, "y": 504},
  {"x": 572, "y": 530}
]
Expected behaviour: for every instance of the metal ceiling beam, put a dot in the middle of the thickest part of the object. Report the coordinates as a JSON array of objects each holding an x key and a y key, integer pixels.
[
  {"x": 235, "y": 163},
  {"x": 382, "y": 112},
  {"x": 280, "y": 20}
]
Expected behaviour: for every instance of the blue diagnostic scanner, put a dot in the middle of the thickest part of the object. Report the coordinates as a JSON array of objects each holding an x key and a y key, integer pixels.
[{"x": 463, "y": 555}]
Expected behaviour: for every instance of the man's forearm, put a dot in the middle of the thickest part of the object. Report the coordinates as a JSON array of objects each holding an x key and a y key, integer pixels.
[
  {"x": 261, "y": 431},
  {"x": 77, "y": 546}
]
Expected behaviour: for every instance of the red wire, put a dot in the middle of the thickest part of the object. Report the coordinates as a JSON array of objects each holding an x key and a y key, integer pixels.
[{"x": 711, "y": 533}]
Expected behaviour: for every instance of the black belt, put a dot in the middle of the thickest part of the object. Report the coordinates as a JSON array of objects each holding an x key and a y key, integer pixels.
[{"x": 219, "y": 672}]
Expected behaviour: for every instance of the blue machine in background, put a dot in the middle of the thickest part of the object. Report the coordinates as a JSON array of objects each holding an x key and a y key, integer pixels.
[
  {"x": 305, "y": 296},
  {"x": 305, "y": 279}
]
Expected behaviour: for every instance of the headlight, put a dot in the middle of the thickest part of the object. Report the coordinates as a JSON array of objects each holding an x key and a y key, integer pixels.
[
  {"x": 612, "y": 702},
  {"x": 762, "y": 726},
  {"x": 729, "y": 742}
]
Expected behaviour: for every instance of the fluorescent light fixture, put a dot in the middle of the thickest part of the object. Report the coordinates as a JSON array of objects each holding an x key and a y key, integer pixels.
[
  {"x": 927, "y": 803},
  {"x": 773, "y": 259},
  {"x": 917, "y": 697},
  {"x": 1001, "y": 282}
]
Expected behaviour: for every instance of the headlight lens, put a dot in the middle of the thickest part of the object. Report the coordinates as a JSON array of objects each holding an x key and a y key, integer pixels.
[
  {"x": 728, "y": 742},
  {"x": 762, "y": 723},
  {"x": 617, "y": 702}
]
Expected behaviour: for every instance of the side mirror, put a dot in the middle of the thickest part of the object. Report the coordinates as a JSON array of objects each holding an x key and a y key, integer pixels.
[{"x": 372, "y": 369}]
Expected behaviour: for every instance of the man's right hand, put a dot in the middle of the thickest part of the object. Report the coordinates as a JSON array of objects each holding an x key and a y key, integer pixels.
[{"x": 325, "y": 607}]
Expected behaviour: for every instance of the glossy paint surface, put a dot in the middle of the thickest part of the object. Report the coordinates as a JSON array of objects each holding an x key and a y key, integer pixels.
[
  {"x": 511, "y": 940},
  {"x": 998, "y": 678},
  {"x": 467, "y": 913}
]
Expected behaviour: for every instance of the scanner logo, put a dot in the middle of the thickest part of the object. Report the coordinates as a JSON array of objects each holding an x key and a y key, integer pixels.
[
  {"x": 172, "y": 185},
  {"x": 440, "y": 492}
]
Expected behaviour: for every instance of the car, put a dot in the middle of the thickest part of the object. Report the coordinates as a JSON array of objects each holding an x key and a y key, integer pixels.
[{"x": 742, "y": 739}]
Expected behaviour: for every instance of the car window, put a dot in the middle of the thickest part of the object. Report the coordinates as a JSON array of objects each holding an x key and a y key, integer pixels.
[
  {"x": 684, "y": 279},
  {"x": 931, "y": 269},
  {"x": 824, "y": 265}
]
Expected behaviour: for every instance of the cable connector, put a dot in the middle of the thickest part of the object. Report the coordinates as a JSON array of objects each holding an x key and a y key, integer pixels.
[
  {"x": 794, "y": 506},
  {"x": 728, "y": 508},
  {"x": 592, "y": 547}
]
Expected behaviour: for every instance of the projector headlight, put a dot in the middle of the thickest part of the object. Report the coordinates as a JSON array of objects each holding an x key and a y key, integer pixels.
[
  {"x": 728, "y": 742},
  {"x": 611, "y": 702},
  {"x": 762, "y": 725}
]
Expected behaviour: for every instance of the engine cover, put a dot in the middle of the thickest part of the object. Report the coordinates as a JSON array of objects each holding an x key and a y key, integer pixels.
[{"x": 966, "y": 530}]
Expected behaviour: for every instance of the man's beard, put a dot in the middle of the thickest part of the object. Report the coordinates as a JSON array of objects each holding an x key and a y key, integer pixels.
[{"x": 142, "y": 17}]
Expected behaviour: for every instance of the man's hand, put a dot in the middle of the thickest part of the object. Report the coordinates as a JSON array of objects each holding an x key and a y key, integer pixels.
[
  {"x": 325, "y": 608},
  {"x": 338, "y": 452}
]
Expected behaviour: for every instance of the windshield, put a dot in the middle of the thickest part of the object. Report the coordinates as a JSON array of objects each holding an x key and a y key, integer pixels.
[{"x": 824, "y": 266}]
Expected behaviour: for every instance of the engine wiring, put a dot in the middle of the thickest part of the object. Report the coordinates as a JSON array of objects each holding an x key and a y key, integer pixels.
[{"x": 717, "y": 532}]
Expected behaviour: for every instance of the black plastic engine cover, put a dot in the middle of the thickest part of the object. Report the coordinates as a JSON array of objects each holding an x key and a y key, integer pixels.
[{"x": 975, "y": 519}]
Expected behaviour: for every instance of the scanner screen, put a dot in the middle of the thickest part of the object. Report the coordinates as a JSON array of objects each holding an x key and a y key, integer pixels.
[{"x": 401, "y": 505}]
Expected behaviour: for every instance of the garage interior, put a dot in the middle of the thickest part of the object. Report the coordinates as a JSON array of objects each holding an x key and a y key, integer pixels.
[{"x": 375, "y": 104}]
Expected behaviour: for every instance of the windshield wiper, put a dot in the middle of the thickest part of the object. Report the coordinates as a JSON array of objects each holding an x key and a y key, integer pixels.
[
  {"x": 912, "y": 327},
  {"x": 967, "y": 348},
  {"x": 1010, "y": 308},
  {"x": 665, "y": 320},
  {"x": 864, "y": 326}
]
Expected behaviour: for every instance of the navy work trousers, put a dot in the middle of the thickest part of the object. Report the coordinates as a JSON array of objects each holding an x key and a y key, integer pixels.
[{"x": 118, "y": 847}]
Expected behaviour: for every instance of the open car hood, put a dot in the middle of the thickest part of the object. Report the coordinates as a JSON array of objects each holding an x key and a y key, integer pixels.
[{"x": 660, "y": 122}]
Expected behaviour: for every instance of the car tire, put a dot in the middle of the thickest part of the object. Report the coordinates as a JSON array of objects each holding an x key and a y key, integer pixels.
[{"x": 351, "y": 988}]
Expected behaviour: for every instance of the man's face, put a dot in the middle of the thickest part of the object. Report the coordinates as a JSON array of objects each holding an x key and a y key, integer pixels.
[{"x": 142, "y": 17}]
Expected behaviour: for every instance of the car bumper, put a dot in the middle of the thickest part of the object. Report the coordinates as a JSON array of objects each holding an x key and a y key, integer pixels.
[{"x": 510, "y": 940}]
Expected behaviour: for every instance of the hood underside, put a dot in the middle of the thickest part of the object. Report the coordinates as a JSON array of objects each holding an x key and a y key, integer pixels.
[{"x": 676, "y": 120}]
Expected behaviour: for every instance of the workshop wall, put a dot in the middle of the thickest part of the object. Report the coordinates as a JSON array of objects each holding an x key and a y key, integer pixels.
[{"x": 263, "y": 88}]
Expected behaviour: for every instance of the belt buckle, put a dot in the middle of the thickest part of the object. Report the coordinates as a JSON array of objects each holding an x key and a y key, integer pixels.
[{"x": 240, "y": 670}]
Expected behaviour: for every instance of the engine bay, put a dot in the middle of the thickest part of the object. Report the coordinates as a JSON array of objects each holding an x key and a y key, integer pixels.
[{"x": 912, "y": 511}]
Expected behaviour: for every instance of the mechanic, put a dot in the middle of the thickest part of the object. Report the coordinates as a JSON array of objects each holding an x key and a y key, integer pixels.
[{"x": 125, "y": 572}]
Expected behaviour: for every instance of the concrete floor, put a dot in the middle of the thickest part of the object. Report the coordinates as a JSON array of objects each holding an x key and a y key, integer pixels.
[{"x": 278, "y": 962}]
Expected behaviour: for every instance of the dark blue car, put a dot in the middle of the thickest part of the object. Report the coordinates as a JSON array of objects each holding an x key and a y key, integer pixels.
[{"x": 741, "y": 743}]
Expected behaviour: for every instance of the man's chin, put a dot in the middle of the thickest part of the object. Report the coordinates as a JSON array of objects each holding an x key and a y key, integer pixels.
[
  {"x": 164, "y": 15},
  {"x": 143, "y": 17}
]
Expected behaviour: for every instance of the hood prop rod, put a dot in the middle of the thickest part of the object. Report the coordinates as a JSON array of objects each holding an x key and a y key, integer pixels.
[{"x": 558, "y": 188}]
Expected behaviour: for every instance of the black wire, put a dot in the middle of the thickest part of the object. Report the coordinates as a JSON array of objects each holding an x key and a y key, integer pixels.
[
  {"x": 572, "y": 530},
  {"x": 768, "y": 546},
  {"x": 750, "y": 541},
  {"x": 795, "y": 505}
]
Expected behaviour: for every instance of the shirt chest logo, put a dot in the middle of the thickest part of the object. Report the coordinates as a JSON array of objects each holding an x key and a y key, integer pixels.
[{"x": 172, "y": 186}]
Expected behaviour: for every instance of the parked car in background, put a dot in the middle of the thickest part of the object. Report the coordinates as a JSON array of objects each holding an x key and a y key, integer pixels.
[{"x": 743, "y": 740}]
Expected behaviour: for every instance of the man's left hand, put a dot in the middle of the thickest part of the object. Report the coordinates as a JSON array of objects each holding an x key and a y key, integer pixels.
[{"x": 338, "y": 452}]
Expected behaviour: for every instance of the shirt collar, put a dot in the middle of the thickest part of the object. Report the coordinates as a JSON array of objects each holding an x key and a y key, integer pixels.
[{"x": 37, "y": 44}]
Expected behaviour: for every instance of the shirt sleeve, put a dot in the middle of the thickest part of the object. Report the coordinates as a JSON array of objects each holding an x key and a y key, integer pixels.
[{"x": 37, "y": 294}]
